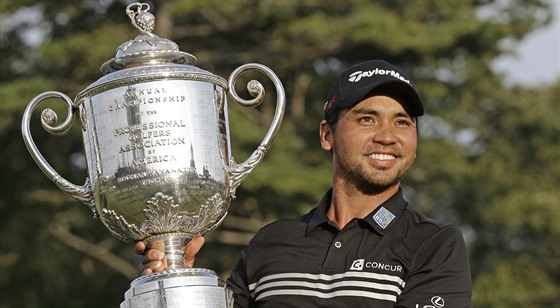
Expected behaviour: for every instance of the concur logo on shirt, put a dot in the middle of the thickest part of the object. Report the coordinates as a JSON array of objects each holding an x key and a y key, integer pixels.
[{"x": 359, "y": 264}]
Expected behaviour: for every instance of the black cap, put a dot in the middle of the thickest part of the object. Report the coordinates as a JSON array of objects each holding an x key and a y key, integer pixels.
[{"x": 358, "y": 81}]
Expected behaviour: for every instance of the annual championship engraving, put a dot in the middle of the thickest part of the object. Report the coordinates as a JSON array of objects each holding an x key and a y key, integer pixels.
[{"x": 157, "y": 144}]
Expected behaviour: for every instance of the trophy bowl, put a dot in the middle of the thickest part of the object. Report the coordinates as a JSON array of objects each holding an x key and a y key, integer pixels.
[{"x": 157, "y": 143}]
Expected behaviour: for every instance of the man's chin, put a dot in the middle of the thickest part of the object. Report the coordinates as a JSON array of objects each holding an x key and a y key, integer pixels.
[{"x": 376, "y": 187}]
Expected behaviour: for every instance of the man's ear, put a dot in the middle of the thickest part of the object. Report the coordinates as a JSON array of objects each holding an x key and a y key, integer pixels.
[{"x": 325, "y": 133}]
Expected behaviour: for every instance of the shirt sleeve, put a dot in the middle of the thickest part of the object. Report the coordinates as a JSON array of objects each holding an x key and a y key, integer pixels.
[
  {"x": 440, "y": 273},
  {"x": 237, "y": 282}
]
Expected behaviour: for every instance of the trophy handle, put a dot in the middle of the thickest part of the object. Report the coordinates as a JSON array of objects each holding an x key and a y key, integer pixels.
[
  {"x": 48, "y": 120},
  {"x": 238, "y": 172}
]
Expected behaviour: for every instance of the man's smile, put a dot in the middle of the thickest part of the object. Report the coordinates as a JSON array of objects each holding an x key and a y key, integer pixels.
[{"x": 382, "y": 156}]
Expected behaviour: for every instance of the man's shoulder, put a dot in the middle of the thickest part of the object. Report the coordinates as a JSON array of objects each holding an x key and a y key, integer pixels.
[
  {"x": 283, "y": 225},
  {"x": 421, "y": 220},
  {"x": 429, "y": 229},
  {"x": 288, "y": 227}
]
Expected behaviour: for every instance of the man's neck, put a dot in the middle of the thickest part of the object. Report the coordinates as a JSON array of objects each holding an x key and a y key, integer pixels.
[{"x": 349, "y": 203}]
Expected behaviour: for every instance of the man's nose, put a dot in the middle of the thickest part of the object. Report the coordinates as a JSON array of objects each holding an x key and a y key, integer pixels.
[{"x": 385, "y": 135}]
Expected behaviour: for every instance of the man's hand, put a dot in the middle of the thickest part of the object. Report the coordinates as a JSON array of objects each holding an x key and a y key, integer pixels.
[{"x": 154, "y": 260}]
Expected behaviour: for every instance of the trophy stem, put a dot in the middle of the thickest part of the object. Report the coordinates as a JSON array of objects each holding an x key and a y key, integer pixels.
[{"x": 173, "y": 245}]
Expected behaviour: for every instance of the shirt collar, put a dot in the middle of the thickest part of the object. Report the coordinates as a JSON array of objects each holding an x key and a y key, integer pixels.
[
  {"x": 381, "y": 219},
  {"x": 319, "y": 214}
]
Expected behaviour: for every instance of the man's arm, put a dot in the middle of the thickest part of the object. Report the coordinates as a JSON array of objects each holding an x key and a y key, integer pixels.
[
  {"x": 440, "y": 273},
  {"x": 237, "y": 282}
]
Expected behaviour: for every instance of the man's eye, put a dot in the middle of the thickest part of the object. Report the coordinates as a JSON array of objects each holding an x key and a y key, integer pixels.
[
  {"x": 366, "y": 120},
  {"x": 404, "y": 123}
]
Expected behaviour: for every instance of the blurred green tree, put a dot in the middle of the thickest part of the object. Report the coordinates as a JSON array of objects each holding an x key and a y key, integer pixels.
[{"x": 488, "y": 155}]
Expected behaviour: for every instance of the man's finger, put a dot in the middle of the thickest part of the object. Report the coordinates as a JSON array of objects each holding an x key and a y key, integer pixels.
[
  {"x": 146, "y": 272},
  {"x": 139, "y": 247},
  {"x": 193, "y": 247},
  {"x": 155, "y": 255}
]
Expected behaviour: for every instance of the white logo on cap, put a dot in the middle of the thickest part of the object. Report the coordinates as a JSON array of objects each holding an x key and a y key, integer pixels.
[{"x": 357, "y": 76}]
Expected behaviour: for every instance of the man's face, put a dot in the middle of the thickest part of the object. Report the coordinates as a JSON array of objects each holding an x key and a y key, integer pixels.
[{"x": 373, "y": 145}]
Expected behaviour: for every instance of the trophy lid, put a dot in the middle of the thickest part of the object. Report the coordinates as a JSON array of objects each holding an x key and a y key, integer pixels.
[
  {"x": 146, "y": 57},
  {"x": 147, "y": 48}
]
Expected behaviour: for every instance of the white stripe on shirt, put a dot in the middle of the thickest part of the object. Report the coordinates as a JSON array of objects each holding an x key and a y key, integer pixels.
[{"x": 323, "y": 286}]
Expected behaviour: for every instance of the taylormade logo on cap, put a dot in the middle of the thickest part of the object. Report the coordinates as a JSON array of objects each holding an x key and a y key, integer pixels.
[
  {"x": 373, "y": 77},
  {"x": 357, "y": 75}
]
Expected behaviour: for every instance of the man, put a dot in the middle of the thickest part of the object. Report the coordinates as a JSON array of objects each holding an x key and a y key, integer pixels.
[{"x": 363, "y": 245}]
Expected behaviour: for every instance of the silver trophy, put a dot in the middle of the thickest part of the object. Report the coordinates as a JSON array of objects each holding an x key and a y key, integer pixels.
[{"x": 157, "y": 144}]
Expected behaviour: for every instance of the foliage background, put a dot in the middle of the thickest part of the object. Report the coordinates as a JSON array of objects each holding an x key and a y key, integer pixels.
[{"x": 487, "y": 160}]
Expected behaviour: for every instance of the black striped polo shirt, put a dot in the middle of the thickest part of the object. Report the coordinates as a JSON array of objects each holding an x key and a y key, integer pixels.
[{"x": 394, "y": 257}]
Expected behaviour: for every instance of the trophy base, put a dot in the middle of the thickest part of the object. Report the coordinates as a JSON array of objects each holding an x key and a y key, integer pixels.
[{"x": 192, "y": 287}]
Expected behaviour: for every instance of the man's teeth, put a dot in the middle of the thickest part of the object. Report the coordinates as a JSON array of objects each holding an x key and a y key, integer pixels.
[{"x": 382, "y": 156}]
